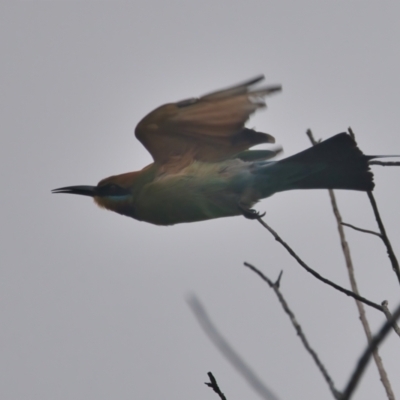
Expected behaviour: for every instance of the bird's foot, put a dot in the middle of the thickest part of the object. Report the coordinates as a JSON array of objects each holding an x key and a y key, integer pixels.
[{"x": 249, "y": 213}]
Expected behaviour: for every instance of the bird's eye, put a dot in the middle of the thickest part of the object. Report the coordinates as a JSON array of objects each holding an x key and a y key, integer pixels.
[{"x": 111, "y": 189}]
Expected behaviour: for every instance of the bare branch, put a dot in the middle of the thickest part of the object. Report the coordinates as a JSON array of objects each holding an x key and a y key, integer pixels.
[
  {"x": 361, "y": 230},
  {"x": 214, "y": 386},
  {"x": 361, "y": 310},
  {"x": 363, "y": 318},
  {"x": 315, "y": 273},
  {"x": 390, "y": 252},
  {"x": 385, "y": 163},
  {"x": 226, "y": 349},
  {"x": 298, "y": 329},
  {"x": 365, "y": 358}
]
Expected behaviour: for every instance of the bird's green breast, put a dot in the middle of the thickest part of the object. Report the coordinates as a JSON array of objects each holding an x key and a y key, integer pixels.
[{"x": 199, "y": 192}]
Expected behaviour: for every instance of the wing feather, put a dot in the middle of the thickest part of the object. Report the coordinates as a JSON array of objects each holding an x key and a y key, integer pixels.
[{"x": 209, "y": 128}]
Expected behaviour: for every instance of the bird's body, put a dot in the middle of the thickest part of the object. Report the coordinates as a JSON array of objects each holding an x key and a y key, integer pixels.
[
  {"x": 199, "y": 191},
  {"x": 203, "y": 169}
]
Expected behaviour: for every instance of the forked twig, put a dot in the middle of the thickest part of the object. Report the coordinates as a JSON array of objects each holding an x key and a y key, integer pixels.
[
  {"x": 213, "y": 384},
  {"x": 315, "y": 273},
  {"x": 297, "y": 327}
]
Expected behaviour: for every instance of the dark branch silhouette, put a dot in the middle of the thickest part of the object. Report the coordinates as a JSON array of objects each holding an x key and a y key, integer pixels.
[
  {"x": 384, "y": 237},
  {"x": 361, "y": 230},
  {"x": 213, "y": 384},
  {"x": 365, "y": 358},
  {"x": 385, "y": 163}
]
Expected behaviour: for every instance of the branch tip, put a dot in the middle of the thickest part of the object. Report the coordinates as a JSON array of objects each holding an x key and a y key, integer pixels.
[{"x": 277, "y": 283}]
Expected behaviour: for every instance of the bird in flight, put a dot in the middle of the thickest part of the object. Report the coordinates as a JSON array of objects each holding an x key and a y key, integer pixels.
[{"x": 203, "y": 167}]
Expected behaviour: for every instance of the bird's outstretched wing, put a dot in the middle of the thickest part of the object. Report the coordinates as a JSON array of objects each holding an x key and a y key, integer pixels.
[{"x": 209, "y": 128}]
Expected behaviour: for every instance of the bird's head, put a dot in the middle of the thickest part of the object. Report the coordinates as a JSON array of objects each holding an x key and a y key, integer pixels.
[{"x": 116, "y": 193}]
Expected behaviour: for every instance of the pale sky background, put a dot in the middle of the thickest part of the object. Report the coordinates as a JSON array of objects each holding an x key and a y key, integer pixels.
[{"x": 93, "y": 304}]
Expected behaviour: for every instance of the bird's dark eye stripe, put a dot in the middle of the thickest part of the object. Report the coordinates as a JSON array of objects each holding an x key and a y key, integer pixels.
[{"x": 111, "y": 190}]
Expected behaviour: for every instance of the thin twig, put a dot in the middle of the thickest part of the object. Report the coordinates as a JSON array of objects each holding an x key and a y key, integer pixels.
[
  {"x": 369, "y": 351},
  {"x": 311, "y": 137},
  {"x": 390, "y": 252},
  {"x": 298, "y": 329},
  {"x": 388, "y": 315},
  {"x": 226, "y": 349},
  {"x": 385, "y": 163},
  {"x": 361, "y": 230},
  {"x": 384, "y": 304},
  {"x": 315, "y": 273},
  {"x": 213, "y": 384}
]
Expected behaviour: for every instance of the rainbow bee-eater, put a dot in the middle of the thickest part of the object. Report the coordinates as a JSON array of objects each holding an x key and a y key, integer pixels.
[{"x": 203, "y": 168}]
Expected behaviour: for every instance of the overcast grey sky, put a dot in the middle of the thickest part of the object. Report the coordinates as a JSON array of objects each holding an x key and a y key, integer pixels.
[{"x": 93, "y": 304}]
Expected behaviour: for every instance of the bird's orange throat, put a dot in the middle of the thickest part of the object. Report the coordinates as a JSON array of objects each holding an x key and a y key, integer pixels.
[{"x": 120, "y": 204}]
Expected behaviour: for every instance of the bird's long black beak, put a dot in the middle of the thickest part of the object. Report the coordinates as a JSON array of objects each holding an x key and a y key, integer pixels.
[{"x": 82, "y": 190}]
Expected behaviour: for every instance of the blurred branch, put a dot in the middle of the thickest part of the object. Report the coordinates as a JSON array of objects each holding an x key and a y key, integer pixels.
[
  {"x": 214, "y": 386},
  {"x": 384, "y": 237},
  {"x": 226, "y": 349},
  {"x": 369, "y": 351},
  {"x": 297, "y": 327}
]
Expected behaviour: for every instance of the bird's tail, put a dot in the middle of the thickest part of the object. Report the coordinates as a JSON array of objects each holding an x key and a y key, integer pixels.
[{"x": 336, "y": 163}]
